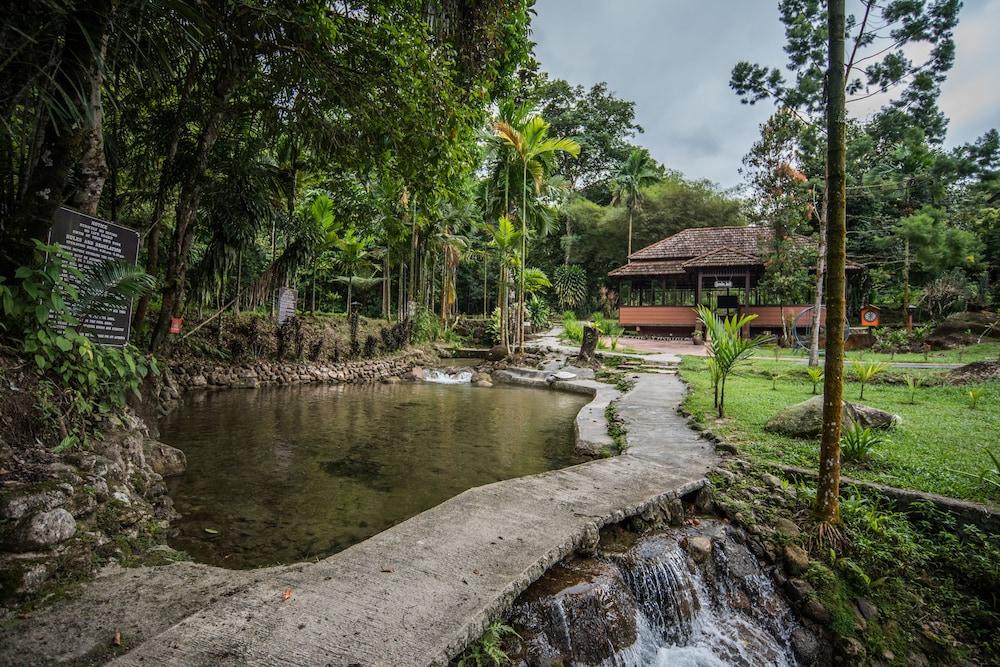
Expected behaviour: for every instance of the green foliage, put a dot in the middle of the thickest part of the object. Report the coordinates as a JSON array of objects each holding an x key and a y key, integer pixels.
[
  {"x": 974, "y": 396},
  {"x": 815, "y": 376},
  {"x": 857, "y": 443},
  {"x": 912, "y": 382},
  {"x": 80, "y": 380},
  {"x": 425, "y": 326},
  {"x": 570, "y": 284},
  {"x": 866, "y": 372},
  {"x": 728, "y": 346},
  {"x": 539, "y": 312},
  {"x": 488, "y": 651},
  {"x": 616, "y": 425},
  {"x": 572, "y": 329},
  {"x": 493, "y": 326}
]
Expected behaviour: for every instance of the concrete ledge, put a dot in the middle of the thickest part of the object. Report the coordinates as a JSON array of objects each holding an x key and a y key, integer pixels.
[{"x": 591, "y": 424}]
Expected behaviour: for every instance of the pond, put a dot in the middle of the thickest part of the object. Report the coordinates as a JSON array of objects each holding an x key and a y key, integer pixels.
[{"x": 283, "y": 474}]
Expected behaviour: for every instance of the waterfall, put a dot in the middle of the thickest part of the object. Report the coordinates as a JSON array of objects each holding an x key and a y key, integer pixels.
[
  {"x": 654, "y": 605},
  {"x": 443, "y": 376}
]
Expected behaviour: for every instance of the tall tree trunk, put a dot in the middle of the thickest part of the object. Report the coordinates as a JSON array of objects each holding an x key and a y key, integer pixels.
[
  {"x": 187, "y": 206},
  {"x": 386, "y": 286},
  {"x": 827, "y": 509},
  {"x": 524, "y": 260},
  {"x": 44, "y": 189},
  {"x": 239, "y": 281},
  {"x": 629, "y": 233},
  {"x": 92, "y": 170},
  {"x": 444, "y": 290},
  {"x": 160, "y": 204},
  {"x": 817, "y": 314},
  {"x": 906, "y": 282},
  {"x": 486, "y": 261}
]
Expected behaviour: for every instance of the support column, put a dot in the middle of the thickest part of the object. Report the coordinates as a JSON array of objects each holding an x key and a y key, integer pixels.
[
  {"x": 697, "y": 299},
  {"x": 746, "y": 300}
]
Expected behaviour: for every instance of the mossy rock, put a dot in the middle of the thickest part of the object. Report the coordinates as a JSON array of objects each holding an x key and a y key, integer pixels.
[{"x": 805, "y": 419}]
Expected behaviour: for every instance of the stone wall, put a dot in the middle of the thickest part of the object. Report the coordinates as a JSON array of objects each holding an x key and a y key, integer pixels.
[{"x": 201, "y": 375}]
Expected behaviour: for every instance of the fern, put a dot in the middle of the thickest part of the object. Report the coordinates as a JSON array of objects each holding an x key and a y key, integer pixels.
[
  {"x": 109, "y": 285},
  {"x": 487, "y": 652}
]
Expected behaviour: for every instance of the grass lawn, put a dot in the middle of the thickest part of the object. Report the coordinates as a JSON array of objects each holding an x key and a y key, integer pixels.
[
  {"x": 939, "y": 439},
  {"x": 961, "y": 355}
]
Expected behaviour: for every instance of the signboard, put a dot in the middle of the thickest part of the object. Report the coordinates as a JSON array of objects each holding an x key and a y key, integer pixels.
[
  {"x": 286, "y": 303},
  {"x": 728, "y": 302},
  {"x": 723, "y": 283},
  {"x": 91, "y": 241}
]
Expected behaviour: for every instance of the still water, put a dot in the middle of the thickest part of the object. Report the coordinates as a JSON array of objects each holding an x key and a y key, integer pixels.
[{"x": 282, "y": 474}]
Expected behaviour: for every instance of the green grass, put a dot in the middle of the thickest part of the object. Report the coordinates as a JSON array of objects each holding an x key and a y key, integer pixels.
[
  {"x": 939, "y": 446},
  {"x": 961, "y": 355}
]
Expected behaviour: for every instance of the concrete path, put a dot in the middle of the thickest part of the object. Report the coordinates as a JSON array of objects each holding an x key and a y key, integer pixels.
[{"x": 415, "y": 594}]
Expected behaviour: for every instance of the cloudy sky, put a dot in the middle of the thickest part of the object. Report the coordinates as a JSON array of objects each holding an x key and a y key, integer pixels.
[{"x": 674, "y": 57}]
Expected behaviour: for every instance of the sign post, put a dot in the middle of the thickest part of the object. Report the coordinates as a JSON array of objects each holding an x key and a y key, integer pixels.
[
  {"x": 286, "y": 303},
  {"x": 90, "y": 242}
]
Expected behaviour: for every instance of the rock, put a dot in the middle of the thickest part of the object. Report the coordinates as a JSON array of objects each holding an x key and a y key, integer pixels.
[
  {"x": 799, "y": 589},
  {"x": 796, "y": 559},
  {"x": 392, "y": 379},
  {"x": 724, "y": 473},
  {"x": 805, "y": 645},
  {"x": 867, "y": 609},
  {"x": 14, "y": 506},
  {"x": 917, "y": 659},
  {"x": 853, "y": 649},
  {"x": 483, "y": 383},
  {"x": 815, "y": 610},
  {"x": 45, "y": 529},
  {"x": 786, "y": 527},
  {"x": 198, "y": 381},
  {"x": 164, "y": 459},
  {"x": 417, "y": 373},
  {"x": 699, "y": 548},
  {"x": 805, "y": 419},
  {"x": 496, "y": 353},
  {"x": 771, "y": 480}
]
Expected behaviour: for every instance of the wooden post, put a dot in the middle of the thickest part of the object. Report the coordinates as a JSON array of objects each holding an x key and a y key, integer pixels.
[{"x": 697, "y": 298}]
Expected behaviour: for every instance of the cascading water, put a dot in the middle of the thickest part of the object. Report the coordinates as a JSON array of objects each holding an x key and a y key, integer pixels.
[
  {"x": 656, "y": 604},
  {"x": 447, "y": 376}
]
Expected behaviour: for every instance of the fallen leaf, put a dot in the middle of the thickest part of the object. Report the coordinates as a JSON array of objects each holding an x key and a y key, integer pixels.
[
  {"x": 211, "y": 531},
  {"x": 117, "y": 641},
  {"x": 287, "y": 595},
  {"x": 387, "y": 569}
]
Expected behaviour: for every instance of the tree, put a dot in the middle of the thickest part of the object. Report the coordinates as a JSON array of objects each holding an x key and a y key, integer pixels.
[
  {"x": 354, "y": 257},
  {"x": 827, "y": 508},
  {"x": 505, "y": 239},
  {"x": 636, "y": 173},
  {"x": 600, "y": 122},
  {"x": 728, "y": 347},
  {"x": 535, "y": 151}
]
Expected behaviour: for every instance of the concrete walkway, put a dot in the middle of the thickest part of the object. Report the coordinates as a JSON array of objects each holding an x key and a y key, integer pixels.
[{"x": 415, "y": 594}]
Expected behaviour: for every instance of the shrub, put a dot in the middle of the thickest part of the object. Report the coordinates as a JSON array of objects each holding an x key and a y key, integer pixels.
[
  {"x": 315, "y": 349},
  {"x": 290, "y": 338},
  {"x": 371, "y": 346},
  {"x": 974, "y": 396},
  {"x": 865, "y": 372},
  {"x": 815, "y": 376},
  {"x": 539, "y": 311},
  {"x": 570, "y": 285},
  {"x": 79, "y": 380},
  {"x": 493, "y": 326},
  {"x": 857, "y": 443},
  {"x": 912, "y": 382},
  {"x": 425, "y": 326},
  {"x": 572, "y": 329},
  {"x": 729, "y": 347},
  {"x": 353, "y": 321}
]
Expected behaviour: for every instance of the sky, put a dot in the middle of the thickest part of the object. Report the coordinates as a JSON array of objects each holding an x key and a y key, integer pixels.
[{"x": 673, "y": 58}]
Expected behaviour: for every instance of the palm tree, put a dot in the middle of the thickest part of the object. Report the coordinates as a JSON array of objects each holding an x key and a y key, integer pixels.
[
  {"x": 638, "y": 171},
  {"x": 505, "y": 238},
  {"x": 535, "y": 151},
  {"x": 353, "y": 257}
]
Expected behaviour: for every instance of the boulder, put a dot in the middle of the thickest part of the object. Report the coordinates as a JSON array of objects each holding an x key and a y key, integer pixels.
[
  {"x": 699, "y": 548},
  {"x": 164, "y": 459},
  {"x": 496, "y": 353},
  {"x": 805, "y": 419},
  {"x": 796, "y": 558},
  {"x": 45, "y": 529}
]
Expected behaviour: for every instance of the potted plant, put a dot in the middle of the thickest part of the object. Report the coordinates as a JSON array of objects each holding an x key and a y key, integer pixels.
[{"x": 697, "y": 337}]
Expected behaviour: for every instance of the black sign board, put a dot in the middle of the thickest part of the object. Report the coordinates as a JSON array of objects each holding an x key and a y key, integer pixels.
[
  {"x": 90, "y": 242},
  {"x": 728, "y": 301}
]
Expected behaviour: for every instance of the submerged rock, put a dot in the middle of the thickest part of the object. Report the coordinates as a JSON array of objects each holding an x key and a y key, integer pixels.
[
  {"x": 805, "y": 419},
  {"x": 164, "y": 459}
]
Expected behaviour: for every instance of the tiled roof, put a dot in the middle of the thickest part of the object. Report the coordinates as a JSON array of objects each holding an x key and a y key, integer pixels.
[
  {"x": 696, "y": 241},
  {"x": 722, "y": 257},
  {"x": 674, "y": 267}
]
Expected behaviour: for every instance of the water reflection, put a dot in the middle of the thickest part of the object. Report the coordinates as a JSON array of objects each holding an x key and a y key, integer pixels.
[{"x": 289, "y": 473}]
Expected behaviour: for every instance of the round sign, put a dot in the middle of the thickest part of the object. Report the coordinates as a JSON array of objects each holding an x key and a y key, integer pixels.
[{"x": 870, "y": 316}]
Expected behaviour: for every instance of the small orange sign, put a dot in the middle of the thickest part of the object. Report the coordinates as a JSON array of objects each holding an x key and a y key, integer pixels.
[
  {"x": 869, "y": 316},
  {"x": 175, "y": 325}
]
